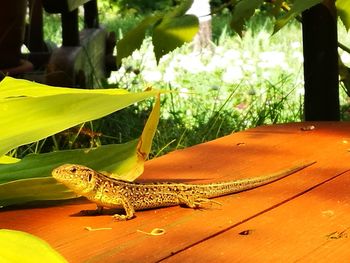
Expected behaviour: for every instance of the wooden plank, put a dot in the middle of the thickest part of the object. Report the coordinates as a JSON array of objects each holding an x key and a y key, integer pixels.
[
  {"x": 312, "y": 227},
  {"x": 254, "y": 152}
]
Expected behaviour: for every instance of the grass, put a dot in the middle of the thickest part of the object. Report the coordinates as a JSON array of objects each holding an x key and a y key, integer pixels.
[{"x": 240, "y": 83}]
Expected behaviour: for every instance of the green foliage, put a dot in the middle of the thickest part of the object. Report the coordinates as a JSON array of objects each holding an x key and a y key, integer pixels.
[
  {"x": 128, "y": 6},
  {"x": 30, "y": 178},
  {"x": 297, "y": 8},
  {"x": 21, "y": 247},
  {"x": 134, "y": 38},
  {"x": 31, "y": 111},
  {"x": 56, "y": 109},
  {"x": 173, "y": 32},
  {"x": 243, "y": 10},
  {"x": 169, "y": 30},
  {"x": 343, "y": 9},
  {"x": 242, "y": 83}
]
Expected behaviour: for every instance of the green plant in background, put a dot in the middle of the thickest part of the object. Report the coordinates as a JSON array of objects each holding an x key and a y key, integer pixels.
[
  {"x": 169, "y": 30},
  {"x": 31, "y": 111}
]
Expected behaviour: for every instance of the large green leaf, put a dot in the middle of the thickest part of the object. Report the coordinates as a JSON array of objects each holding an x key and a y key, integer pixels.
[
  {"x": 242, "y": 12},
  {"x": 134, "y": 38},
  {"x": 31, "y": 111},
  {"x": 113, "y": 158},
  {"x": 21, "y": 247},
  {"x": 298, "y": 7},
  {"x": 173, "y": 32},
  {"x": 30, "y": 179},
  {"x": 343, "y": 9},
  {"x": 33, "y": 189}
]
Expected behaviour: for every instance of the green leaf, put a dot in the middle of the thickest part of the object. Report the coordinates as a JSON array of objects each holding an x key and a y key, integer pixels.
[
  {"x": 298, "y": 7},
  {"x": 134, "y": 38},
  {"x": 343, "y": 10},
  {"x": 173, "y": 32},
  {"x": 111, "y": 158},
  {"x": 33, "y": 189},
  {"x": 31, "y": 111},
  {"x": 149, "y": 130},
  {"x": 21, "y": 247},
  {"x": 29, "y": 179},
  {"x": 8, "y": 159},
  {"x": 277, "y": 7},
  {"x": 242, "y": 12}
]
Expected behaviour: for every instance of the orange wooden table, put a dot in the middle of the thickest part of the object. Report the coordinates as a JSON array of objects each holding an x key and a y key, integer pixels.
[{"x": 302, "y": 218}]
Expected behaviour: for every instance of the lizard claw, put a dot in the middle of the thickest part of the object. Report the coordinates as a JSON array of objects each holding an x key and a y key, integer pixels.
[
  {"x": 122, "y": 217},
  {"x": 200, "y": 201}
]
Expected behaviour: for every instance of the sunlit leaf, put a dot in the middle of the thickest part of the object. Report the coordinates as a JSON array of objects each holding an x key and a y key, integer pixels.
[
  {"x": 7, "y": 159},
  {"x": 29, "y": 179},
  {"x": 21, "y": 247},
  {"x": 33, "y": 189},
  {"x": 298, "y": 7},
  {"x": 31, "y": 111},
  {"x": 343, "y": 10},
  {"x": 135, "y": 169},
  {"x": 149, "y": 130},
  {"x": 134, "y": 38},
  {"x": 173, "y": 32},
  {"x": 242, "y": 12}
]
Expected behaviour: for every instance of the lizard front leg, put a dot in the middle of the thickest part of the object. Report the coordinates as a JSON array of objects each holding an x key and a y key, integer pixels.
[{"x": 128, "y": 208}]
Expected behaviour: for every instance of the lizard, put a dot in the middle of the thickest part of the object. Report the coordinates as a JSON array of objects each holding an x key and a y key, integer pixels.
[{"x": 131, "y": 196}]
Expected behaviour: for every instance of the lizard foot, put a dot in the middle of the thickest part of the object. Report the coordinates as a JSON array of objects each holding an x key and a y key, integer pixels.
[
  {"x": 122, "y": 217},
  {"x": 196, "y": 202},
  {"x": 201, "y": 201}
]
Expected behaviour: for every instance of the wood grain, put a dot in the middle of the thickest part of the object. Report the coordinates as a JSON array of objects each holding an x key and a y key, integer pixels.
[{"x": 302, "y": 217}]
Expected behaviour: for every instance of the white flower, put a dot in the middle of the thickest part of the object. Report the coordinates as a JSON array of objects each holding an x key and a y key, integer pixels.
[
  {"x": 298, "y": 55},
  {"x": 215, "y": 63},
  {"x": 248, "y": 67},
  {"x": 300, "y": 91},
  {"x": 184, "y": 93},
  {"x": 151, "y": 76},
  {"x": 169, "y": 74},
  {"x": 295, "y": 44},
  {"x": 191, "y": 63},
  {"x": 271, "y": 59},
  {"x": 136, "y": 55},
  {"x": 232, "y": 74},
  {"x": 345, "y": 58},
  {"x": 266, "y": 74},
  {"x": 232, "y": 55}
]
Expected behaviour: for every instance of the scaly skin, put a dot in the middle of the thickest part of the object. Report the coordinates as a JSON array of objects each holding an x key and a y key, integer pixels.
[{"x": 112, "y": 193}]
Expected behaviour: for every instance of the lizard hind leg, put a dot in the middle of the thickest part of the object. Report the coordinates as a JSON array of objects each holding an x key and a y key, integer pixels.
[{"x": 195, "y": 202}]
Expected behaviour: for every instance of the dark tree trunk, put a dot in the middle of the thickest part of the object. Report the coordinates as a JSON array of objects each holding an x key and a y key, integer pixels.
[{"x": 321, "y": 63}]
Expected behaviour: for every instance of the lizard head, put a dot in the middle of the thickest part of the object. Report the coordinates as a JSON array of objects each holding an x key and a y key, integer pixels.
[{"x": 78, "y": 178}]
